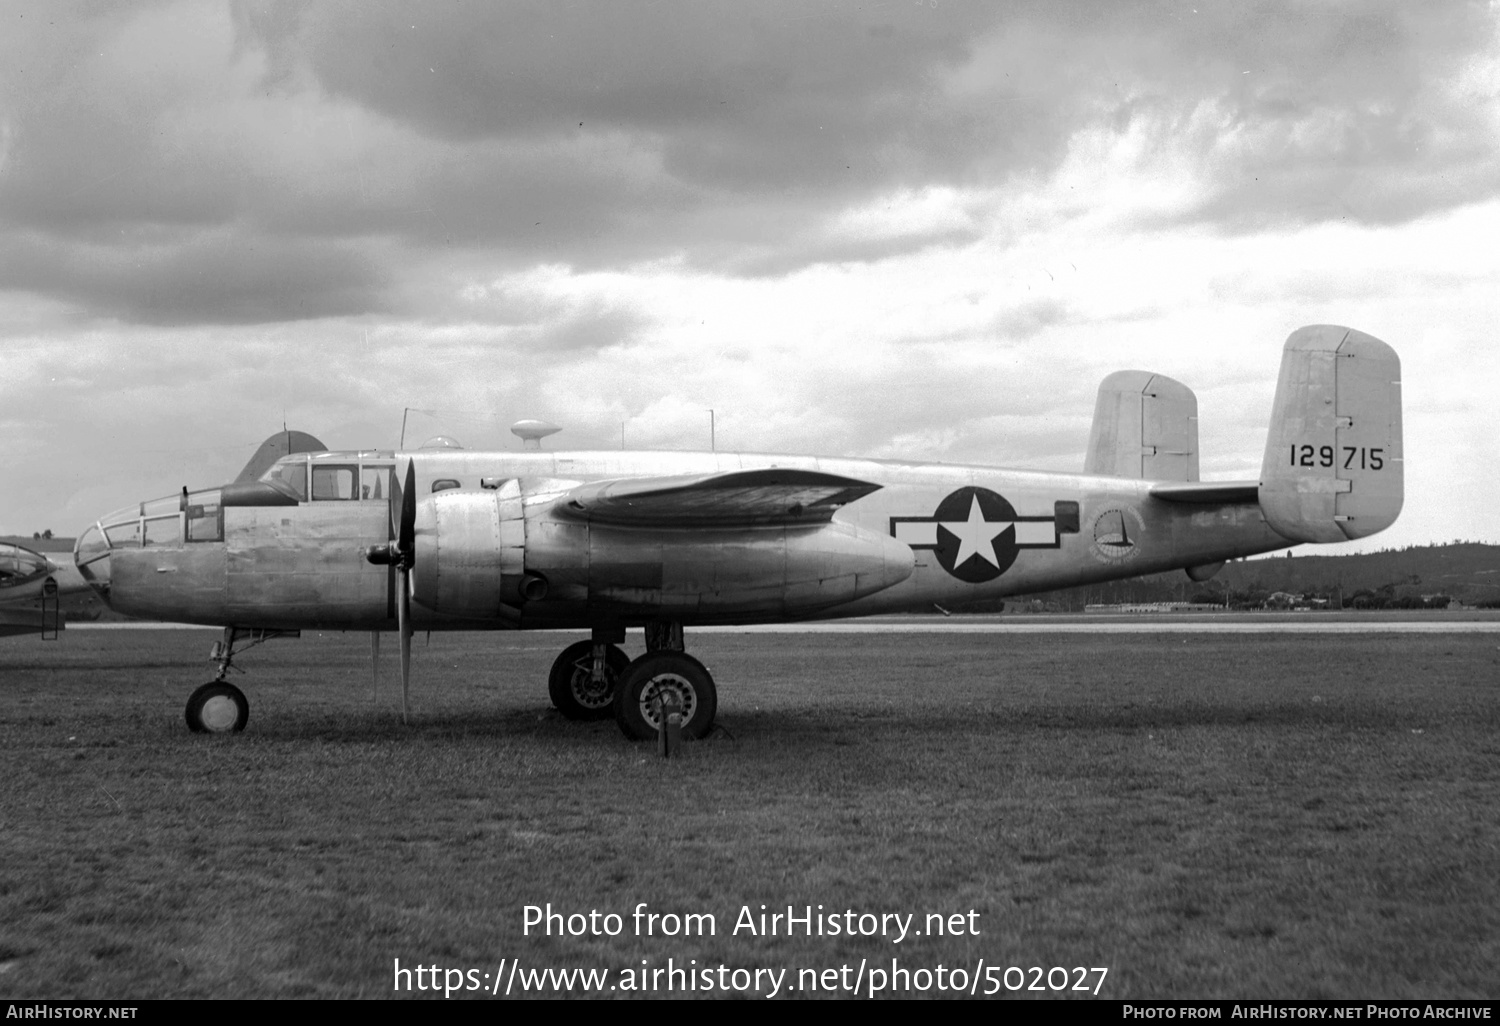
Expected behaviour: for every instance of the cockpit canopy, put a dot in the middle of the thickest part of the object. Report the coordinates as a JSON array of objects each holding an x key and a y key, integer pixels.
[
  {"x": 199, "y": 516},
  {"x": 333, "y": 476},
  {"x": 21, "y": 566}
]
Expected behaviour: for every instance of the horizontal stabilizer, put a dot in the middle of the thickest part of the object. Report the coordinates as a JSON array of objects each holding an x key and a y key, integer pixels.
[
  {"x": 1214, "y": 493},
  {"x": 282, "y": 443},
  {"x": 735, "y": 498}
]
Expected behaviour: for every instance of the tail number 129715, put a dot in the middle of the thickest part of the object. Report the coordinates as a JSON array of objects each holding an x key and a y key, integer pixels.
[{"x": 1326, "y": 456}]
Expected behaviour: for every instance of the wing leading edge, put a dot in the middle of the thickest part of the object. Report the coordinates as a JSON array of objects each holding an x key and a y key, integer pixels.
[{"x": 740, "y": 498}]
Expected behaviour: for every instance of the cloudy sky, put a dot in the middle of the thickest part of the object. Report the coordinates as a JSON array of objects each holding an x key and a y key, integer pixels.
[{"x": 919, "y": 229}]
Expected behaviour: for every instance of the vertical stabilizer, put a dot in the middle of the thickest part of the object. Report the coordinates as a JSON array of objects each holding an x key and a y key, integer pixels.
[
  {"x": 1146, "y": 427},
  {"x": 1333, "y": 465},
  {"x": 282, "y": 443}
]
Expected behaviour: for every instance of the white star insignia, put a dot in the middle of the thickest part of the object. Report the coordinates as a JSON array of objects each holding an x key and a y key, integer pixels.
[{"x": 976, "y": 536}]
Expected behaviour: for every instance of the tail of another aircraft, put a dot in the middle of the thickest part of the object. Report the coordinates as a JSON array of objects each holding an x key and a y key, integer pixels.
[{"x": 1333, "y": 463}]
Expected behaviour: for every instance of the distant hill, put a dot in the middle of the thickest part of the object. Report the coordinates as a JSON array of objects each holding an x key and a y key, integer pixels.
[
  {"x": 1466, "y": 572},
  {"x": 48, "y": 545}
]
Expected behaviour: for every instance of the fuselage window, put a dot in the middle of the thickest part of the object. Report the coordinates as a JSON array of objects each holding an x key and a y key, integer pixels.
[
  {"x": 1066, "y": 515},
  {"x": 332, "y": 482},
  {"x": 374, "y": 482},
  {"x": 442, "y": 484}
]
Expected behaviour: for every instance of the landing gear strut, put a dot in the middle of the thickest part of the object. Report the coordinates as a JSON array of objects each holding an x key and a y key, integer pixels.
[
  {"x": 219, "y": 707},
  {"x": 582, "y": 681}
]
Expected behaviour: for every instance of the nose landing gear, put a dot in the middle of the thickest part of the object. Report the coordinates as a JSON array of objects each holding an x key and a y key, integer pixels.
[{"x": 219, "y": 707}]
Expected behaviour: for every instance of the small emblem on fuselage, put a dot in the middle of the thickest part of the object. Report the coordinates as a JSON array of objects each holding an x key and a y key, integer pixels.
[
  {"x": 1117, "y": 534},
  {"x": 976, "y": 534}
]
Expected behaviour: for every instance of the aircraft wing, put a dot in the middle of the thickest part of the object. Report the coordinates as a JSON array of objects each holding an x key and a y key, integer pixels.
[
  {"x": 1209, "y": 493},
  {"x": 739, "y": 498}
]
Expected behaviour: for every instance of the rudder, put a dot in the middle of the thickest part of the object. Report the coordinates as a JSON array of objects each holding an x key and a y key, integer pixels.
[{"x": 1333, "y": 466}]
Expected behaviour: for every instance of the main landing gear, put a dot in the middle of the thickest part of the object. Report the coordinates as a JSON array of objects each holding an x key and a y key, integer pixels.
[
  {"x": 592, "y": 679},
  {"x": 219, "y": 707}
]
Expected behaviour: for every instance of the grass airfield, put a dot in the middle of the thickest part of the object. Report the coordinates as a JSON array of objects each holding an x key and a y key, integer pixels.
[{"x": 1206, "y": 815}]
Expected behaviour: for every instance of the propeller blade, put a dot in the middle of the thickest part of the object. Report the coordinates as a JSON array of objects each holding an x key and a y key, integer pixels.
[
  {"x": 398, "y": 500},
  {"x": 403, "y": 626},
  {"x": 406, "y": 537}
]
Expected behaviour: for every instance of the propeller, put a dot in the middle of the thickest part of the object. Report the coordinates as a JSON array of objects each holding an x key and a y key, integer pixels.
[{"x": 402, "y": 554}]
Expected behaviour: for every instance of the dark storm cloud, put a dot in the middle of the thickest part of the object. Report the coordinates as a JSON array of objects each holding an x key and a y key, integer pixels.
[
  {"x": 728, "y": 90},
  {"x": 262, "y": 149},
  {"x": 837, "y": 98},
  {"x": 219, "y": 278}
]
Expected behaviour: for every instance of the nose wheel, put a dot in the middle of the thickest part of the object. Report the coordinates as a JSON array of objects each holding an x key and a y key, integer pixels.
[{"x": 218, "y": 707}]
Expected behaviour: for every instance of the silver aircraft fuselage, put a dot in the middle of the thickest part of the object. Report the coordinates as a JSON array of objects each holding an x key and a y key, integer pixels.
[{"x": 498, "y": 546}]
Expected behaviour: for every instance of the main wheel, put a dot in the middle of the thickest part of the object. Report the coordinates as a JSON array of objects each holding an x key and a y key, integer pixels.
[
  {"x": 571, "y": 683},
  {"x": 218, "y": 708},
  {"x": 655, "y": 675}
]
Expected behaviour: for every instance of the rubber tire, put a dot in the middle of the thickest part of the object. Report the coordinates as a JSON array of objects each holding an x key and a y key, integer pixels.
[
  {"x": 664, "y": 668},
  {"x": 217, "y": 708},
  {"x": 570, "y": 682}
]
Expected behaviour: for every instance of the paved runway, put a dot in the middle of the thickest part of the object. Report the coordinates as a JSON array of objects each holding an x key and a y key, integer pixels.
[
  {"x": 1312, "y": 624},
  {"x": 1083, "y": 626}
]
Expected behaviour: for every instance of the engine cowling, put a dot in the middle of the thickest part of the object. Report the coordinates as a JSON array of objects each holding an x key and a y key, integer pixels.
[{"x": 470, "y": 553}]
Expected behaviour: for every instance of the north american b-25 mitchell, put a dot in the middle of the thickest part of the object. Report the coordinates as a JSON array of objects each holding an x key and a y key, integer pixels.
[{"x": 448, "y": 539}]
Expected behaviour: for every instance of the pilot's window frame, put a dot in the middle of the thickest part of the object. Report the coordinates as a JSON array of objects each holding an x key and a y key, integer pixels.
[
  {"x": 327, "y": 471},
  {"x": 203, "y": 522},
  {"x": 444, "y": 484}
]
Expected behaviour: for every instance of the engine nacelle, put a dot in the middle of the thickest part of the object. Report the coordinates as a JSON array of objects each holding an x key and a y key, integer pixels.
[
  {"x": 494, "y": 554},
  {"x": 470, "y": 553}
]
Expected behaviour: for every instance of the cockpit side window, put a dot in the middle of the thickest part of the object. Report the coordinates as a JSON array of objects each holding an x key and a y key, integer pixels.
[
  {"x": 162, "y": 530},
  {"x": 126, "y": 535},
  {"x": 205, "y": 518},
  {"x": 375, "y": 482},
  {"x": 291, "y": 475},
  {"x": 333, "y": 482}
]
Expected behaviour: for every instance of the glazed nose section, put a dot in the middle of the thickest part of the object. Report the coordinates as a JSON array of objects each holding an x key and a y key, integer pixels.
[{"x": 91, "y": 557}]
